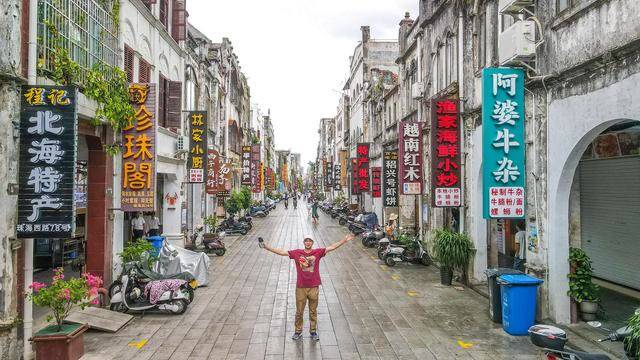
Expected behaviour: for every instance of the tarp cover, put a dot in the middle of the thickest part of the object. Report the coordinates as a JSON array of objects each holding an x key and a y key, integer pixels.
[{"x": 174, "y": 260}]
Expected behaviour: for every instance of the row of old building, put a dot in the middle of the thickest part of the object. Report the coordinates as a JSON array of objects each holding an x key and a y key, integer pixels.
[
  {"x": 153, "y": 43},
  {"x": 581, "y": 136}
]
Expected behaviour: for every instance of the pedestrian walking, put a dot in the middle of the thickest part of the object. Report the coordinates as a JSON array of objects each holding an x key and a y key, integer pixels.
[
  {"x": 307, "y": 262},
  {"x": 314, "y": 212},
  {"x": 137, "y": 226}
]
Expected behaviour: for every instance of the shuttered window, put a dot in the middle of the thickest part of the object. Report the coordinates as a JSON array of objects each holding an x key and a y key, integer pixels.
[
  {"x": 173, "y": 104},
  {"x": 128, "y": 62},
  {"x": 179, "y": 20},
  {"x": 162, "y": 81},
  {"x": 164, "y": 13},
  {"x": 144, "y": 71}
]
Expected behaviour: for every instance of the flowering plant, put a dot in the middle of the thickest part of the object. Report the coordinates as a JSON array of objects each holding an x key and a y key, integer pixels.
[{"x": 61, "y": 294}]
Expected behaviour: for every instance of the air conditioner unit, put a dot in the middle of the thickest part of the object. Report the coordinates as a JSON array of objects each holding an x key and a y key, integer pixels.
[
  {"x": 517, "y": 43},
  {"x": 182, "y": 143},
  {"x": 513, "y": 6},
  {"x": 416, "y": 90}
]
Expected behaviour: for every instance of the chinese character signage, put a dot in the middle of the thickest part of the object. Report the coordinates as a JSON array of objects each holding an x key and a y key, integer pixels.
[
  {"x": 328, "y": 175},
  {"x": 343, "y": 167},
  {"x": 503, "y": 151},
  {"x": 213, "y": 167},
  {"x": 376, "y": 184},
  {"x": 445, "y": 153},
  {"x": 48, "y": 122},
  {"x": 390, "y": 178},
  {"x": 337, "y": 173},
  {"x": 255, "y": 168},
  {"x": 138, "y": 156},
  {"x": 362, "y": 166},
  {"x": 197, "y": 146},
  {"x": 354, "y": 176},
  {"x": 410, "y": 157},
  {"x": 246, "y": 165},
  {"x": 224, "y": 177}
]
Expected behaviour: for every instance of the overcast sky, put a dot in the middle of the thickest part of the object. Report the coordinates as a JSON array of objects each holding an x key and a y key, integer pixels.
[{"x": 295, "y": 53}]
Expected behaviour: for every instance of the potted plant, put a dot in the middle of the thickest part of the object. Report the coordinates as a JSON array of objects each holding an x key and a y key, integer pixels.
[
  {"x": 453, "y": 251},
  {"x": 211, "y": 222},
  {"x": 63, "y": 341},
  {"x": 581, "y": 288},
  {"x": 632, "y": 342}
]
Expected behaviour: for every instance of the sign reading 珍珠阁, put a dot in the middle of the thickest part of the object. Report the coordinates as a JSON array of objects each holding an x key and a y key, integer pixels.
[
  {"x": 445, "y": 153},
  {"x": 246, "y": 165},
  {"x": 139, "y": 153},
  {"x": 48, "y": 122},
  {"x": 390, "y": 178},
  {"x": 503, "y": 151},
  {"x": 410, "y": 145},
  {"x": 197, "y": 146}
]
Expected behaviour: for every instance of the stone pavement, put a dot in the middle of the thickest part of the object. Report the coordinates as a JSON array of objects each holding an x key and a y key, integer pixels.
[{"x": 366, "y": 310}]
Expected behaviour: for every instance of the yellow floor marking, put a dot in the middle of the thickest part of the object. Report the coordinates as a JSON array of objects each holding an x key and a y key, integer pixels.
[
  {"x": 464, "y": 345},
  {"x": 138, "y": 344},
  {"x": 395, "y": 277},
  {"x": 383, "y": 267},
  {"x": 412, "y": 293}
]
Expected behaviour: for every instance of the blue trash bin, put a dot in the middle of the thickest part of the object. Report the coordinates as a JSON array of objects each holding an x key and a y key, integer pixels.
[
  {"x": 519, "y": 294},
  {"x": 156, "y": 242}
]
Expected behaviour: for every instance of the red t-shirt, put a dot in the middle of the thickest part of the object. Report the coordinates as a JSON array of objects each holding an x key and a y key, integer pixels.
[{"x": 308, "y": 266}]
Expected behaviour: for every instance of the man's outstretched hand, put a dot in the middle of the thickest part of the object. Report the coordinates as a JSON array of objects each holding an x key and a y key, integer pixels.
[{"x": 349, "y": 237}]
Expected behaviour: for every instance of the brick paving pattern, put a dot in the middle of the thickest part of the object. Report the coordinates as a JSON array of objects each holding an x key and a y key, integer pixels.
[{"x": 366, "y": 310}]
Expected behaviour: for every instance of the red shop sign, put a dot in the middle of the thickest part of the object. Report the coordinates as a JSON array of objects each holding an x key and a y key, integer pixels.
[
  {"x": 445, "y": 149},
  {"x": 376, "y": 182}
]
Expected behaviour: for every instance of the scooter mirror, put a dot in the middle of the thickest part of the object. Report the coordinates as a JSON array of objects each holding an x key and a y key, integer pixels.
[{"x": 594, "y": 324}]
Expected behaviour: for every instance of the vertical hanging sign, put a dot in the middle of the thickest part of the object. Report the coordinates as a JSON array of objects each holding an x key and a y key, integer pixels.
[
  {"x": 337, "y": 173},
  {"x": 197, "y": 146},
  {"x": 48, "y": 122},
  {"x": 246, "y": 166},
  {"x": 445, "y": 153},
  {"x": 503, "y": 151},
  {"x": 213, "y": 166},
  {"x": 255, "y": 168},
  {"x": 376, "y": 185},
  {"x": 362, "y": 165},
  {"x": 390, "y": 183},
  {"x": 139, "y": 154},
  {"x": 329, "y": 175},
  {"x": 411, "y": 157}
]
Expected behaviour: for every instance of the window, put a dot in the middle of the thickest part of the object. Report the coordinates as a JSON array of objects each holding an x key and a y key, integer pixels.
[
  {"x": 164, "y": 13},
  {"x": 144, "y": 71},
  {"x": 128, "y": 62},
  {"x": 179, "y": 20},
  {"x": 442, "y": 67},
  {"x": 169, "y": 102},
  {"x": 562, "y": 5}
]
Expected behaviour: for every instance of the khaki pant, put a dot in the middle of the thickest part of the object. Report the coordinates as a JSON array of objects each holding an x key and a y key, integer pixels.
[{"x": 302, "y": 294}]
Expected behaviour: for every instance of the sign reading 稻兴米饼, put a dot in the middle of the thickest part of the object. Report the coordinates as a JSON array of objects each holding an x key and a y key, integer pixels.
[
  {"x": 503, "y": 138},
  {"x": 48, "y": 123},
  {"x": 445, "y": 153},
  {"x": 139, "y": 154},
  {"x": 197, "y": 162},
  {"x": 410, "y": 146}
]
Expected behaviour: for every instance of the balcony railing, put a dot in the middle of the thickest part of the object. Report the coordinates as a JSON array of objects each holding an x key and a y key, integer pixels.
[{"x": 84, "y": 29}]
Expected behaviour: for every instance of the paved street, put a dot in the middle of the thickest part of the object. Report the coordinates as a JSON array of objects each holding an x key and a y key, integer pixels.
[{"x": 366, "y": 310}]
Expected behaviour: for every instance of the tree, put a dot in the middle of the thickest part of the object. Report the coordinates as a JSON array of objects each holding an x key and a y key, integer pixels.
[
  {"x": 234, "y": 203},
  {"x": 245, "y": 199}
]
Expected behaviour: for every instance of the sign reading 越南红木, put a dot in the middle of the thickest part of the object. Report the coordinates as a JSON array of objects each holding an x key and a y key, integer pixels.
[
  {"x": 48, "y": 123},
  {"x": 390, "y": 178},
  {"x": 503, "y": 138},
  {"x": 446, "y": 178},
  {"x": 139, "y": 154},
  {"x": 410, "y": 145},
  {"x": 196, "y": 163}
]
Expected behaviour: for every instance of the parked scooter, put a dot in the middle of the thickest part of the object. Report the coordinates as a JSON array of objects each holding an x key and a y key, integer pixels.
[
  {"x": 247, "y": 220},
  {"x": 232, "y": 227},
  {"x": 370, "y": 238},
  {"x": 414, "y": 253},
  {"x": 132, "y": 296},
  {"x": 211, "y": 242},
  {"x": 552, "y": 340}
]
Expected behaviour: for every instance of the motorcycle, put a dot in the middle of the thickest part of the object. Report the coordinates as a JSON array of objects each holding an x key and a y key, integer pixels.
[
  {"x": 414, "y": 252},
  {"x": 552, "y": 340},
  {"x": 211, "y": 242},
  {"x": 232, "y": 227},
  {"x": 372, "y": 237},
  {"x": 363, "y": 222},
  {"x": 131, "y": 296},
  {"x": 247, "y": 220}
]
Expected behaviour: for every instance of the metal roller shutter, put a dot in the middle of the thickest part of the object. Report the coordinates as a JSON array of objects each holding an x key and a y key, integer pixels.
[{"x": 610, "y": 218}]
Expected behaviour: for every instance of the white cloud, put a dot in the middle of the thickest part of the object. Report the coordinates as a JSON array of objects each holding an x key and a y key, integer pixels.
[{"x": 296, "y": 52}]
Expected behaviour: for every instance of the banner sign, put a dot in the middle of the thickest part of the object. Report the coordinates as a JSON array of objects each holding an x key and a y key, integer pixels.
[
  {"x": 47, "y": 162},
  {"x": 213, "y": 167},
  {"x": 446, "y": 180},
  {"x": 337, "y": 173},
  {"x": 410, "y": 157},
  {"x": 261, "y": 175},
  {"x": 354, "y": 176},
  {"x": 343, "y": 167},
  {"x": 139, "y": 153},
  {"x": 197, "y": 146},
  {"x": 255, "y": 168},
  {"x": 503, "y": 151},
  {"x": 390, "y": 184},
  {"x": 225, "y": 176},
  {"x": 376, "y": 185},
  {"x": 246, "y": 166},
  {"x": 328, "y": 175},
  {"x": 362, "y": 165}
]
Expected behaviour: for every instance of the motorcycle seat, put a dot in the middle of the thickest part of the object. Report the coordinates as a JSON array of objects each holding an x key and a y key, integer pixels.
[{"x": 587, "y": 356}]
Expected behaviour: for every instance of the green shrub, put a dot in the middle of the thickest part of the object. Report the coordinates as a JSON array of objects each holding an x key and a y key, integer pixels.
[
  {"x": 452, "y": 250},
  {"x": 580, "y": 286}
]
